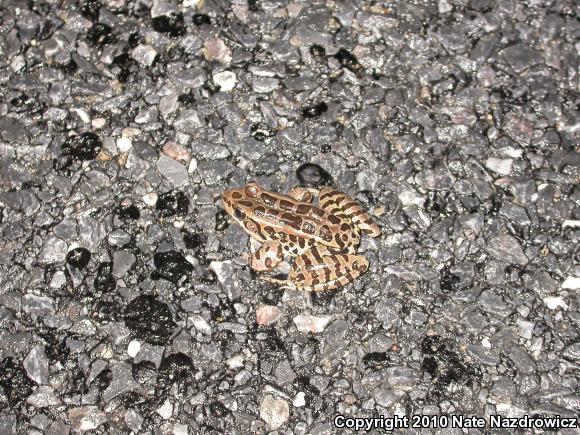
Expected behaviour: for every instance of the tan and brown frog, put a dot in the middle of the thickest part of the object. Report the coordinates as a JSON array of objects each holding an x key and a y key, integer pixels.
[{"x": 324, "y": 238}]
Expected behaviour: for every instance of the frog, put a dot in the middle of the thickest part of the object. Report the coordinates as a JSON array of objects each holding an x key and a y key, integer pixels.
[{"x": 323, "y": 237}]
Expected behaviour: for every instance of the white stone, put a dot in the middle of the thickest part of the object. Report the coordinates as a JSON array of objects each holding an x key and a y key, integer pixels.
[
  {"x": 133, "y": 348},
  {"x": 36, "y": 364},
  {"x": 165, "y": 410},
  {"x": 571, "y": 283},
  {"x": 571, "y": 223},
  {"x": 299, "y": 399},
  {"x": 275, "y": 412},
  {"x": 444, "y": 7},
  {"x": 226, "y": 80},
  {"x": 486, "y": 343},
  {"x": 124, "y": 144},
  {"x": 150, "y": 199},
  {"x": 82, "y": 114},
  {"x": 192, "y": 166},
  {"x": 500, "y": 166},
  {"x": 514, "y": 153},
  {"x": 180, "y": 429},
  {"x": 309, "y": 323},
  {"x": 410, "y": 197},
  {"x": 236, "y": 362},
  {"x": 43, "y": 397},
  {"x": 526, "y": 328},
  {"x": 191, "y": 3},
  {"x": 98, "y": 123},
  {"x": 201, "y": 324},
  {"x": 144, "y": 54},
  {"x": 553, "y": 302}
]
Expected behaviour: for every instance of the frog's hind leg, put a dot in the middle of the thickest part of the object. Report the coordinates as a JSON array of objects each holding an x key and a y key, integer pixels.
[
  {"x": 267, "y": 257},
  {"x": 338, "y": 203},
  {"x": 319, "y": 269}
]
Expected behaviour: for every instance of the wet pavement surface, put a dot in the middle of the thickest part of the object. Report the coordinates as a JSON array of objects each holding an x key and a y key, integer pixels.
[{"x": 125, "y": 302}]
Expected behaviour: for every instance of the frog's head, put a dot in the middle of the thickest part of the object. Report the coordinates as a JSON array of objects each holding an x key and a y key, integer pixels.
[{"x": 238, "y": 203}]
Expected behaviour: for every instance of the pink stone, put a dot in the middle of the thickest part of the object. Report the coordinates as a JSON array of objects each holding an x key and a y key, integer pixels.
[
  {"x": 176, "y": 151},
  {"x": 216, "y": 49},
  {"x": 267, "y": 315}
]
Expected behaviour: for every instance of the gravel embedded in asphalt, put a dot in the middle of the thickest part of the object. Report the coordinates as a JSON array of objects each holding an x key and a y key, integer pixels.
[{"x": 125, "y": 300}]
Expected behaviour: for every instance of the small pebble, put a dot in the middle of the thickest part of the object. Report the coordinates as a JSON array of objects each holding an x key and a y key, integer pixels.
[
  {"x": 571, "y": 283},
  {"x": 275, "y": 412},
  {"x": 309, "y": 323},
  {"x": 133, "y": 348},
  {"x": 124, "y": 144},
  {"x": 500, "y": 166},
  {"x": 144, "y": 54},
  {"x": 216, "y": 49},
  {"x": 150, "y": 199},
  {"x": 555, "y": 302},
  {"x": 267, "y": 315},
  {"x": 226, "y": 80},
  {"x": 176, "y": 151},
  {"x": 165, "y": 410},
  {"x": 299, "y": 399}
]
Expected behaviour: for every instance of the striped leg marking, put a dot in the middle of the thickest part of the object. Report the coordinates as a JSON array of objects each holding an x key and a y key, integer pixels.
[
  {"x": 339, "y": 203},
  {"x": 318, "y": 269}
]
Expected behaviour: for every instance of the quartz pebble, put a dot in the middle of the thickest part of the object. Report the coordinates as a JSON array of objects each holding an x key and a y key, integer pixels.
[
  {"x": 309, "y": 323},
  {"x": 275, "y": 412},
  {"x": 267, "y": 315},
  {"x": 226, "y": 80}
]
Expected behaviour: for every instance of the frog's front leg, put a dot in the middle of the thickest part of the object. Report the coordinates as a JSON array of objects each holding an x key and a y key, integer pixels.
[
  {"x": 267, "y": 257},
  {"x": 321, "y": 269}
]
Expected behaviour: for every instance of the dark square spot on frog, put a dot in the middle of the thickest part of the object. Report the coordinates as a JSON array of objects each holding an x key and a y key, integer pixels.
[
  {"x": 237, "y": 195},
  {"x": 325, "y": 233},
  {"x": 292, "y": 220},
  {"x": 268, "y": 199},
  {"x": 259, "y": 211},
  {"x": 334, "y": 219},
  {"x": 303, "y": 209},
  {"x": 318, "y": 211},
  {"x": 345, "y": 227},
  {"x": 272, "y": 213},
  {"x": 308, "y": 227},
  {"x": 286, "y": 205}
]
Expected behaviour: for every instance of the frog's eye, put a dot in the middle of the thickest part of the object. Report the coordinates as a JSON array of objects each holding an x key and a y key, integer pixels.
[
  {"x": 252, "y": 190},
  {"x": 240, "y": 213}
]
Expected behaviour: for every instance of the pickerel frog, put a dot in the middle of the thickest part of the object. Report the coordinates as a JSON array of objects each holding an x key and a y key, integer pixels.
[{"x": 324, "y": 238}]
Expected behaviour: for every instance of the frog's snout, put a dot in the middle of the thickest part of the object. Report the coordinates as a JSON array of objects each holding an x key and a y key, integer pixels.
[{"x": 227, "y": 200}]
